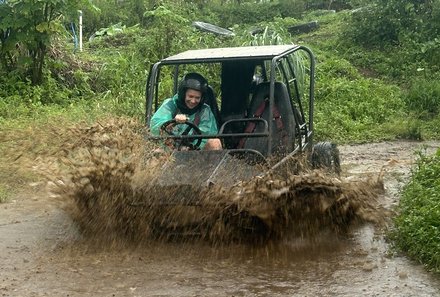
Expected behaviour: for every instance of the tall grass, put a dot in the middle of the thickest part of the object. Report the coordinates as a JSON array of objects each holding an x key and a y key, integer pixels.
[
  {"x": 423, "y": 98},
  {"x": 352, "y": 108},
  {"x": 418, "y": 223}
]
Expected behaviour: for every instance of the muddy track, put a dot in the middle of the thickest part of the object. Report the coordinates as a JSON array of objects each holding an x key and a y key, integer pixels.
[{"x": 43, "y": 254}]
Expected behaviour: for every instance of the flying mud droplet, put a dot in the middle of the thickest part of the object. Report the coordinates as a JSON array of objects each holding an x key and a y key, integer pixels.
[{"x": 107, "y": 172}]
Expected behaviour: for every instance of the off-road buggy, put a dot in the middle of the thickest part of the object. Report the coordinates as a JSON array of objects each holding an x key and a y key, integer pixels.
[{"x": 263, "y": 100}]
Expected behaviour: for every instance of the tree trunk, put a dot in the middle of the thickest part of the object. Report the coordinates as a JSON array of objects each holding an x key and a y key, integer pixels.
[
  {"x": 37, "y": 63},
  {"x": 6, "y": 58}
]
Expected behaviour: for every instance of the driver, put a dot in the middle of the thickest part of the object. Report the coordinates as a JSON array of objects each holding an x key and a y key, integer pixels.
[{"x": 188, "y": 105}]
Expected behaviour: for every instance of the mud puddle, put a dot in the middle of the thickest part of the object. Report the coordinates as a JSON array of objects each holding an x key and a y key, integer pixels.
[
  {"x": 45, "y": 257},
  {"x": 45, "y": 254}
]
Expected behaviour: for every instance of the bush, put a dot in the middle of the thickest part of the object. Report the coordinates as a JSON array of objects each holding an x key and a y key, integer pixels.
[
  {"x": 417, "y": 227},
  {"x": 252, "y": 13},
  {"x": 326, "y": 4},
  {"x": 405, "y": 31},
  {"x": 423, "y": 98},
  {"x": 390, "y": 22},
  {"x": 352, "y": 108},
  {"x": 25, "y": 43},
  {"x": 112, "y": 12}
]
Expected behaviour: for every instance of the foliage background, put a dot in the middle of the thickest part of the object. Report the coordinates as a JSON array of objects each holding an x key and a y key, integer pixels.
[
  {"x": 385, "y": 88},
  {"x": 417, "y": 226}
]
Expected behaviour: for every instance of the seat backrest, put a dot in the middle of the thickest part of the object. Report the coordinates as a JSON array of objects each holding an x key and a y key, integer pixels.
[
  {"x": 283, "y": 126},
  {"x": 211, "y": 100}
]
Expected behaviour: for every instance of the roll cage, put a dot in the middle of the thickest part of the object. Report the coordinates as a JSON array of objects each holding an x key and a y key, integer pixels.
[{"x": 267, "y": 88}]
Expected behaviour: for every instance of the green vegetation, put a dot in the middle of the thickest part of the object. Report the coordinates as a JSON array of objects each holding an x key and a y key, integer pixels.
[
  {"x": 3, "y": 195},
  {"x": 26, "y": 29},
  {"x": 418, "y": 225},
  {"x": 378, "y": 71},
  {"x": 362, "y": 89}
]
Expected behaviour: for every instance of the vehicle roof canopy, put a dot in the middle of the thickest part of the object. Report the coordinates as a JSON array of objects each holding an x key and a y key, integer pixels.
[{"x": 231, "y": 53}]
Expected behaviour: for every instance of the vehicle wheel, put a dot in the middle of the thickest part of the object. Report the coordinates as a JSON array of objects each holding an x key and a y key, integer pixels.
[{"x": 325, "y": 155}]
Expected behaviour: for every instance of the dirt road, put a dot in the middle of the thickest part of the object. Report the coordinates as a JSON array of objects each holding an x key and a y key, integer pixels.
[{"x": 42, "y": 254}]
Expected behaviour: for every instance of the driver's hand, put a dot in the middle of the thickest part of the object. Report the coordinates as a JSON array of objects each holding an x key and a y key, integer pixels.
[
  {"x": 181, "y": 118},
  {"x": 169, "y": 127}
]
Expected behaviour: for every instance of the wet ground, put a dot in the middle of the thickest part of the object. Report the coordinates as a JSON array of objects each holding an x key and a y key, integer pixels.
[{"x": 43, "y": 254}]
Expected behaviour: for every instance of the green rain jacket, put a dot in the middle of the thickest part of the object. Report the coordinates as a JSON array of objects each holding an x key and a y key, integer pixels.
[{"x": 168, "y": 110}]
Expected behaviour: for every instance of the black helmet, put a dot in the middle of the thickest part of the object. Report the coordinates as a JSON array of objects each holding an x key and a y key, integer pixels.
[{"x": 193, "y": 81}]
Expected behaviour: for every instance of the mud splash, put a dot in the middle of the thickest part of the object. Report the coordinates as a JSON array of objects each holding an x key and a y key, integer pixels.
[{"x": 105, "y": 172}]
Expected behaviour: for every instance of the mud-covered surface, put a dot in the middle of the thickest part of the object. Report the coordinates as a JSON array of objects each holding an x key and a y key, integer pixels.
[{"x": 45, "y": 251}]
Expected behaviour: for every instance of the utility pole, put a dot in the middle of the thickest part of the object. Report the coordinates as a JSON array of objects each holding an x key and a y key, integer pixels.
[{"x": 80, "y": 30}]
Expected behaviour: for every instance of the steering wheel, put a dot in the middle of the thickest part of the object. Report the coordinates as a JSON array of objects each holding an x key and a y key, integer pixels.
[{"x": 168, "y": 126}]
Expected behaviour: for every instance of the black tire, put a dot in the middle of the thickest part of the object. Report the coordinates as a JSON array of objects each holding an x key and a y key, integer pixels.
[
  {"x": 303, "y": 28},
  {"x": 325, "y": 155}
]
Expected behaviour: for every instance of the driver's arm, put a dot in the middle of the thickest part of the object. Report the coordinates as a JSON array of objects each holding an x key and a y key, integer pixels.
[
  {"x": 208, "y": 123},
  {"x": 162, "y": 115}
]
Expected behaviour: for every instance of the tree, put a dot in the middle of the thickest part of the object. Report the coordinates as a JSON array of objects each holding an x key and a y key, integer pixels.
[{"x": 27, "y": 28}]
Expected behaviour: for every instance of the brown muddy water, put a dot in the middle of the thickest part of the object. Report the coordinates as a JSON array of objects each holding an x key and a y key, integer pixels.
[{"x": 50, "y": 246}]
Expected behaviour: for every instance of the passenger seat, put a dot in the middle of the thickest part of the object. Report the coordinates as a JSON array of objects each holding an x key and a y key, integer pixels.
[{"x": 283, "y": 127}]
